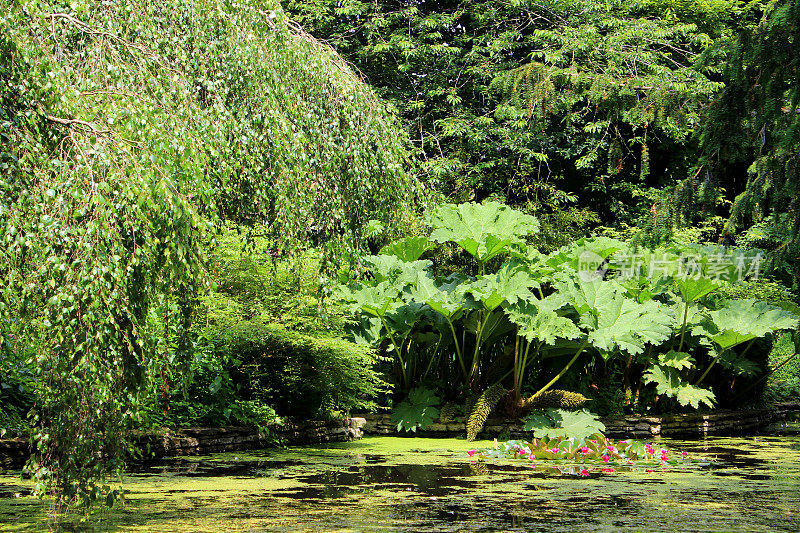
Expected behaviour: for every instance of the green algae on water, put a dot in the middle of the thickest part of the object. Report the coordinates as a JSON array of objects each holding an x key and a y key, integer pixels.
[{"x": 413, "y": 484}]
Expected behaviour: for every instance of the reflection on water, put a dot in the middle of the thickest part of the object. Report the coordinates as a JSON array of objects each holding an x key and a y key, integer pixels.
[{"x": 390, "y": 484}]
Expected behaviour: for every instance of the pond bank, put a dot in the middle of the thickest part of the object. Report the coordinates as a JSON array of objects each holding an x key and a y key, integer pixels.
[
  {"x": 691, "y": 426},
  {"x": 194, "y": 441}
]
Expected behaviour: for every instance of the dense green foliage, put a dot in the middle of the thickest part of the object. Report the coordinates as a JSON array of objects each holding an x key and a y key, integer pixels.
[
  {"x": 783, "y": 382},
  {"x": 262, "y": 348},
  {"x": 676, "y": 117},
  {"x": 579, "y": 111},
  {"x": 650, "y": 312},
  {"x": 418, "y": 410},
  {"x": 756, "y": 121},
  {"x": 128, "y": 132},
  {"x": 659, "y": 114}
]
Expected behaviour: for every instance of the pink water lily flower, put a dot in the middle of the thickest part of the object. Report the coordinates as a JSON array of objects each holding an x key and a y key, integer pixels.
[
  {"x": 470, "y": 452},
  {"x": 606, "y": 458},
  {"x": 684, "y": 454},
  {"x": 531, "y": 457},
  {"x": 610, "y": 448},
  {"x": 608, "y": 470},
  {"x": 553, "y": 450},
  {"x": 584, "y": 450},
  {"x": 584, "y": 472},
  {"x": 593, "y": 441}
]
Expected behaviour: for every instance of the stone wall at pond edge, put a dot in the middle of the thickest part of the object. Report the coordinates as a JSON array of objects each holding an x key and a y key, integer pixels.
[
  {"x": 193, "y": 441},
  {"x": 695, "y": 425}
]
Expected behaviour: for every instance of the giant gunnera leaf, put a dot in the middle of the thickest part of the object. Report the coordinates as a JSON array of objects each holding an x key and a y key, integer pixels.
[
  {"x": 376, "y": 300},
  {"x": 589, "y": 254},
  {"x": 627, "y": 325},
  {"x": 507, "y": 285},
  {"x": 539, "y": 323},
  {"x": 677, "y": 360},
  {"x": 483, "y": 230},
  {"x": 586, "y": 296},
  {"x": 612, "y": 320},
  {"x": 397, "y": 272},
  {"x": 669, "y": 383},
  {"x": 447, "y": 299},
  {"x": 418, "y": 410},
  {"x": 367, "y": 330},
  {"x": 692, "y": 289},
  {"x": 407, "y": 249},
  {"x": 743, "y": 320},
  {"x": 554, "y": 423}
]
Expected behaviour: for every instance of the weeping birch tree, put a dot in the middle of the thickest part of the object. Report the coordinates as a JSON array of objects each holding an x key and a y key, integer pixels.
[{"x": 128, "y": 132}]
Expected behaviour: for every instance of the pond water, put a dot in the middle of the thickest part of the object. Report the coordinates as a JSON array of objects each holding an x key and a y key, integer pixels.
[{"x": 415, "y": 484}]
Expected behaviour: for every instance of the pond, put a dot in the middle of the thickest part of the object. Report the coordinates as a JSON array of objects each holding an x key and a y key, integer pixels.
[{"x": 415, "y": 484}]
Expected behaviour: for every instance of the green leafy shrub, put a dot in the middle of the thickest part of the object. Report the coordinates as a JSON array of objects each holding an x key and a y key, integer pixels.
[
  {"x": 17, "y": 384},
  {"x": 783, "y": 384},
  {"x": 211, "y": 392},
  {"x": 264, "y": 345},
  {"x": 299, "y": 374},
  {"x": 282, "y": 342}
]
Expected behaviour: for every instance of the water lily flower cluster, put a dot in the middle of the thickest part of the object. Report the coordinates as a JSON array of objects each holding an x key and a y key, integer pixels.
[{"x": 599, "y": 449}]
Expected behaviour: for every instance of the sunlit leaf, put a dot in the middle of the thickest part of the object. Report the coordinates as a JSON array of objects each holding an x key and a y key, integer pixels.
[
  {"x": 483, "y": 230},
  {"x": 407, "y": 249},
  {"x": 692, "y": 289},
  {"x": 507, "y": 285},
  {"x": 536, "y": 323},
  {"x": 743, "y": 320},
  {"x": 669, "y": 382},
  {"x": 677, "y": 360},
  {"x": 554, "y": 423}
]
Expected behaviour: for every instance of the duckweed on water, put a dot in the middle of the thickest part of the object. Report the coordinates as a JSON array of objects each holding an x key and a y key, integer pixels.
[{"x": 395, "y": 484}]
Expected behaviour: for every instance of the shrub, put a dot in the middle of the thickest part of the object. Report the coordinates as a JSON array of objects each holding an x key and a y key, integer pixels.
[{"x": 300, "y": 375}]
